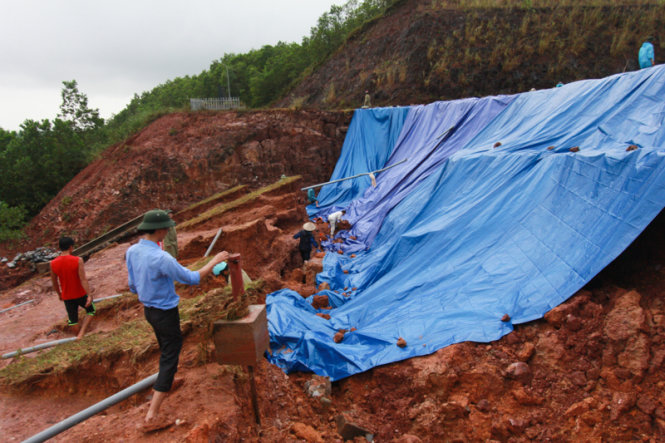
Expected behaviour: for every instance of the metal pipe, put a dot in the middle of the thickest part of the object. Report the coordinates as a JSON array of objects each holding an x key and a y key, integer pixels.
[
  {"x": 16, "y": 306},
  {"x": 109, "y": 297},
  {"x": 214, "y": 240},
  {"x": 92, "y": 410},
  {"x": 38, "y": 347},
  {"x": 353, "y": 176},
  {"x": 252, "y": 390},
  {"x": 237, "y": 285}
]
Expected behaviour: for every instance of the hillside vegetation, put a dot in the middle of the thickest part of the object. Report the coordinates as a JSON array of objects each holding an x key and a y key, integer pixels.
[
  {"x": 426, "y": 50},
  {"x": 402, "y": 51}
]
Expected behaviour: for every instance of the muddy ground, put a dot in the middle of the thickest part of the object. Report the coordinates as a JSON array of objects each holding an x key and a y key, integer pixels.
[{"x": 591, "y": 370}]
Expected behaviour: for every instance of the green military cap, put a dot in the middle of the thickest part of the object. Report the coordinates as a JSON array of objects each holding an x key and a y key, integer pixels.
[{"x": 156, "y": 219}]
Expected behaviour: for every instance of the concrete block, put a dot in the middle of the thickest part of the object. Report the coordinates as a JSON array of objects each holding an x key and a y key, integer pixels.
[{"x": 243, "y": 341}]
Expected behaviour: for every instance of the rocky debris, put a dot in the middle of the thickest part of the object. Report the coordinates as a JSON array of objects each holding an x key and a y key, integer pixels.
[
  {"x": 526, "y": 351},
  {"x": 408, "y": 438},
  {"x": 550, "y": 148},
  {"x": 339, "y": 336},
  {"x": 39, "y": 255},
  {"x": 525, "y": 397},
  {"x": 318, "y": 387},
  {"x": 326, "y": 316},
  {"x": 319, "y": 301},
  {"x": 483, "y": 405},
  {"x": 497, "y": 144},
  {"x": 505, "y": 318},
  {"x": 349, "y": 430},
  {"x": 306, "y": 432},
  {"x": 632, "y": 148},
  {"x": 621, "y": 402},
  {"x": 401, "y": 342},
  {"x": 518, "y": 371},
  {"x": 624, "y": 326},
  {"x": 575, "y": 149}
]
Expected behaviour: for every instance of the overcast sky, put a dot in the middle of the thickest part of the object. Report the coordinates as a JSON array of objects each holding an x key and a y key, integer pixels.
[{"x": 114, "y": 49}]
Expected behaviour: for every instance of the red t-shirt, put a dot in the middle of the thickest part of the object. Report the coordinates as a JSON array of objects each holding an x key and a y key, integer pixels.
[{"x": 66, "y": 267}]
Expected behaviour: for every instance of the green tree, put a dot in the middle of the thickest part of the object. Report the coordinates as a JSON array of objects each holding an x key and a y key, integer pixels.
[
  {"x": 74, "y": 108},
  {"x": 11, "y": 221}
]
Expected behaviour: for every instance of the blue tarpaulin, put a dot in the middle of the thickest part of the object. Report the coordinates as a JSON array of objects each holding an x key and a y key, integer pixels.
[
  {"x": 494, "y": 216},
  {"x": 368, "y": 144}
]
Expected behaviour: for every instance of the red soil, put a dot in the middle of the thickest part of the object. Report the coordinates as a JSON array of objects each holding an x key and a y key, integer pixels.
[{"x": 590, "y": 371}]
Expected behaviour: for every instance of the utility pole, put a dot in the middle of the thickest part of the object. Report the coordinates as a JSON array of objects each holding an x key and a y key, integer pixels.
[{"x": 228, "y": 82}]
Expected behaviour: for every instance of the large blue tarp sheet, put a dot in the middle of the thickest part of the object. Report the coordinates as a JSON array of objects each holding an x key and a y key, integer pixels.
[
  {"x": 514, "y": 229},
  {"x": 368, "y": 144}
]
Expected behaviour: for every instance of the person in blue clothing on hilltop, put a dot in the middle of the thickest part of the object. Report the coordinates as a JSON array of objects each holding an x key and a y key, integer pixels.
[
  {"x": 646, "y": 55},
  {"x": 151, "y": 272}
]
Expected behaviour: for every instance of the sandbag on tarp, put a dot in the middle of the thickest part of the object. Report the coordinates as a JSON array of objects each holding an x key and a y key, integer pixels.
[
  {"x": 515, "y": 229},
  {"x": 368, "y": 144},
  {"x": 429, "y": 136}
]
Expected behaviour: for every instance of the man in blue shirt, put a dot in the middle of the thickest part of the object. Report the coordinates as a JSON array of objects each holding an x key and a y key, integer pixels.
[
  {"x": 646, "y": 56},
  {"x": 151, "y": 274}
]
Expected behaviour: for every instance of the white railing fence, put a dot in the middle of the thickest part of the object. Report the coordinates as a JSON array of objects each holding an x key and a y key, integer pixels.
[{"x": 215, "y": 104}]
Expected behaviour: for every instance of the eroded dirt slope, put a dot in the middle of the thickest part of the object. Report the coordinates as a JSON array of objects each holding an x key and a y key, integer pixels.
[{"x": 182, "y": 158}]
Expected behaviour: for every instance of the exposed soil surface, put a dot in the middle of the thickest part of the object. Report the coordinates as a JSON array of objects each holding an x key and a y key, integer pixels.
[
  {"x": 591, "y": 370},
  {"x": 182, "y": 158}
]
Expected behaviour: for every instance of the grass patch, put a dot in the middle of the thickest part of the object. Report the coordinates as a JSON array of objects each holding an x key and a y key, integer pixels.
[
  {"x": 212, "y": 198},
  {"x": 219, "y": 209},
  {"x": 133, "y": 338}
]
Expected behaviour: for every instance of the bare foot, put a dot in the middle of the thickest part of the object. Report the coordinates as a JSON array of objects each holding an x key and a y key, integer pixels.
[{"x": 155, "y": 424}]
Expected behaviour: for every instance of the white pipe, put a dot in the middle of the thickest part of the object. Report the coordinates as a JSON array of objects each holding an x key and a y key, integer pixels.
[
  {"x": 92, "y": 410},
  {"x": 38, "y": 347},
  {"x": 108, "y": 298},
  {"x": 353, "y": 176},
  {"x": 20, "y": 304},
  {"x": 214, "y": 240}
]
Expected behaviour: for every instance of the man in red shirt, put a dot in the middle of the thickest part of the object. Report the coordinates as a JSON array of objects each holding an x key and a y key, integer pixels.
[{"x": 69, "y": 281}]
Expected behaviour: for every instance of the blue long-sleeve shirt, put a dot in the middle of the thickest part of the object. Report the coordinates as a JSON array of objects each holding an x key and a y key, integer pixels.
[{"x": 152, "y": 272}]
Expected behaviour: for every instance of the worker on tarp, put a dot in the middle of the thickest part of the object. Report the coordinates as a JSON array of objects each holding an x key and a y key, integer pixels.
[
  {"x": 333, "y": 219},
  {"x": 151, "y": 272},
  {"x": 311, "y": 197},
  {"x": 222, "y": 270},
  {"x": 646, "y": 55},
  {"x": 307, "y": 240},
  {"x": 367, "y": 101}
]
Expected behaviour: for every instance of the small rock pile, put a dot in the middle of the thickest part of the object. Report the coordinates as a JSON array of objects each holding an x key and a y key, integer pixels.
[{"x": 39, "y": 255}]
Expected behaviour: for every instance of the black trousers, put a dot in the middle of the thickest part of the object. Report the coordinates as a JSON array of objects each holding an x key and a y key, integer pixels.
[
  {"x": 166, "y": 325},
  {"x": 305, "y": 253}
]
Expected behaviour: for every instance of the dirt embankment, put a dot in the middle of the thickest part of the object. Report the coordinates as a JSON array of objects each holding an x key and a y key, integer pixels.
[
  {"x": 591, "y": 370},
  {"x": 183, "y": 157},
  {"x": 423, "y": 51}
]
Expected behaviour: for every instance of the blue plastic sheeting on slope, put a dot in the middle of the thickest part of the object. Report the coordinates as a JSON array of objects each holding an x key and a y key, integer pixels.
[
  {"x": 512, "y": 230},
  {"x": 368, "y": 144},
  {"x": 429, "y": 136}
]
